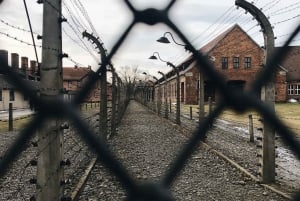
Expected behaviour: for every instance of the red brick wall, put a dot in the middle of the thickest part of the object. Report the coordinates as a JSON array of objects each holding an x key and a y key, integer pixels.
[
  {"x": 280, "y": 86},
  {"x": 235, "y": 44},
  {"x": 238, "y": 44},
  {"x": 191, "y": 97},
  {"x": 245, "y": 47},
  {"x": 94, "y": 94}
]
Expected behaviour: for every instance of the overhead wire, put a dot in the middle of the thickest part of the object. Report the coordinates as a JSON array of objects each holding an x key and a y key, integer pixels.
[
  {"x": 33, "y": 41},
  {"x": 16, "y": 27},
  {"x": 286, "y": 20},
  {"x": 267, "y": 6},
  {"x": 227, "y": 18},
  {"x": 285, "y": 9},
  {"x": 76, "y": 12},
  {"x": 217, "y": 30},
  {"x": 76, "y": 30},
  {"x": 274, "y": 3},
  {"x": 85, "y": 14},
  {"x": 81, "y": 22},
  {"x": 78, "y": 25}
]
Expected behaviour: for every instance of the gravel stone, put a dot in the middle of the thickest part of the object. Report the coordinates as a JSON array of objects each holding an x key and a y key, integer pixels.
[{"x": 147, "y": 145}]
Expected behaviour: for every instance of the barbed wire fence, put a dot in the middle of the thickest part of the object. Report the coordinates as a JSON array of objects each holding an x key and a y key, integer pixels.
[{"x": 146, "y": 191}]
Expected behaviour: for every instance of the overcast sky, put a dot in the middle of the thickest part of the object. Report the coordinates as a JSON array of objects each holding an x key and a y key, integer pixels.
[{"x": 199, "y": 20}]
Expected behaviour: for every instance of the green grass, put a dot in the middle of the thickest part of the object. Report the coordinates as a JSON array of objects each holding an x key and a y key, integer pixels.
[
  {"x": 289, "y": 113},
  {"x": 19, "y": 124}
]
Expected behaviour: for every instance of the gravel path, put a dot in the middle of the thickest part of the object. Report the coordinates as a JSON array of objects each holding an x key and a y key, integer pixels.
[
  {"x": 15, "y": 184},
  {"x": 147, "y": 144}
]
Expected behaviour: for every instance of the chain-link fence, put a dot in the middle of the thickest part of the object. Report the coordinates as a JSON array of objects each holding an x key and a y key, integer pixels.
[{"x": 57, "y": 108}]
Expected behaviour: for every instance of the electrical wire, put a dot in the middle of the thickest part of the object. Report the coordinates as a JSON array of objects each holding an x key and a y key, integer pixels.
[{"x": 29, "y": 22}]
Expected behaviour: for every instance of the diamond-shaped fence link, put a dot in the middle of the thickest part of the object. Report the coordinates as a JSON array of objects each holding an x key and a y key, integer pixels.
[{"x": 239, "y": 101}]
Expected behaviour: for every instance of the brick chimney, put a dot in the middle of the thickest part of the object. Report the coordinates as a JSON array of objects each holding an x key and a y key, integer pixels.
[
  {"x": 14, "y": 60},
  {"x": 4, "y": 58},
  {"x": 24, "y": 64},
  {"x": 33, "y": 67}
]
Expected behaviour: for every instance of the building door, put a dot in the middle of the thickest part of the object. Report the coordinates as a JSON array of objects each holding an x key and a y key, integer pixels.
[
  {"x": 209, "y": 90},
  {"x": 236, "y": 84}
]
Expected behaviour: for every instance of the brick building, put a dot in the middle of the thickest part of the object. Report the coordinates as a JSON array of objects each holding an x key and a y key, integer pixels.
[
  {"x": 236, "y": 56},
  {"x": 9, "y": 93},
  {"x": 292, "y": 63},
  {"x": 73, "y": 80}
]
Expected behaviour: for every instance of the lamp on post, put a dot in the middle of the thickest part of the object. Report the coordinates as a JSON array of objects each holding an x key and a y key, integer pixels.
[
  {"x": 164, "y": 39},
  {"x": 177, "y": 84}
]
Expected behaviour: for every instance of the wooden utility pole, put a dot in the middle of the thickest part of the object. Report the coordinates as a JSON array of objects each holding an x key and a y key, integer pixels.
[
  {"x": 267, "y": 147},
  {"x": 50, "y": 136}
]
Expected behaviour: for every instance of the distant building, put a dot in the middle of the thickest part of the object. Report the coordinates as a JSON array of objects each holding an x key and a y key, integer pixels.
[
  {"x": 292, "y": 63},
  {"x": 236, "y": 56},
  {"x": 9, "y": 93},
  {"x": 73, "y": 80}
]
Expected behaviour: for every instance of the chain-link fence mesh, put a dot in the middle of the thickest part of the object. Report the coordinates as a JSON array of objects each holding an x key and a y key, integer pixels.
[{"x": 239, "y": 101}]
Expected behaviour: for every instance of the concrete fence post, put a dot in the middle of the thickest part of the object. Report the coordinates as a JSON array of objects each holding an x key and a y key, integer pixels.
[
  {"x": 250, "y": 126},
  {"x": 267, "y": 159},
  {"x": 103, "y": 84},
  {"x": 10, "y": 117},
  {"x": 50, "y": 135},
  {"x": 209, "y": 105}
]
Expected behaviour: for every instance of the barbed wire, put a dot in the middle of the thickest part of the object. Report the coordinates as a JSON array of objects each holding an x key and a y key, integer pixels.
[
  {"x": 278, "y": 12},
  {"x": 16, "y": 27},
  {"x": 291, "y": 18},
  {"x": 39, "y": 46},
  {"x": 271, "y": 5},
  {"x": 19, "y": 40},
  {"x": 75, "y": 30},
  {"x": 184, "y": 56}
]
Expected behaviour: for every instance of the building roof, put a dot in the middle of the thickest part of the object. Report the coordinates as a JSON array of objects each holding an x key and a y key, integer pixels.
[
  {"x": 6, "y": 84},
  {"x": 213, "y": 43},
  {"x": 206, "y": 49},
  {"x": 75, "y": 73},
  {"x": 292, "y": 63}
]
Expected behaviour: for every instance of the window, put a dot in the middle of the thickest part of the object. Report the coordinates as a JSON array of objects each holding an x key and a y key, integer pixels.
[
  {"x": 224, "y": 61},
  {"x": 290, "y": 89},
  {"x": 294, "y": 89},
  {"x": 236, "y": 62},
  {"x": 11, "y": 95},
  {"x": 247, "y": 62}
]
